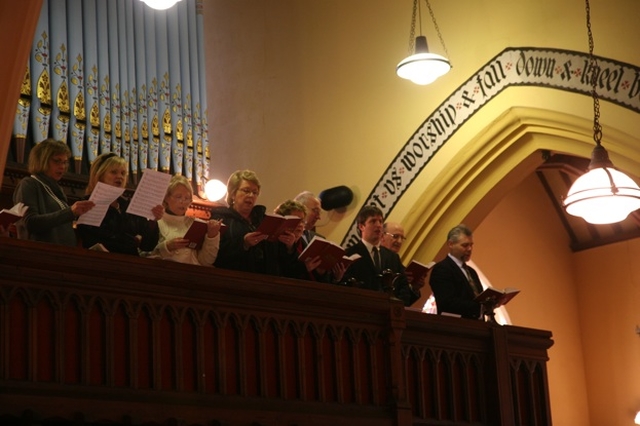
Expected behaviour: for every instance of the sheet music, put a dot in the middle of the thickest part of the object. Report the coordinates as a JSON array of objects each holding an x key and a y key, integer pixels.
[
  {"x": 102, "y": 196},
  {"x": 150, "y": 193}
]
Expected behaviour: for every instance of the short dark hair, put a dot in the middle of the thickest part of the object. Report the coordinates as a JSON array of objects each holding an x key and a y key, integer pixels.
[{"x": 368, "y": 211}]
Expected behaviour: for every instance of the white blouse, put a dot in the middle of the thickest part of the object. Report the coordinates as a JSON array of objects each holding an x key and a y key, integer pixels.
[{"x": 171, "y": 227}]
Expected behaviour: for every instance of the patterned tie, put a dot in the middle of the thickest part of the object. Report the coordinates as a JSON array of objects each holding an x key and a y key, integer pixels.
[
  {"x": 472, "y": 282},
  {"x": 376, "y": 258},
  {"x": 305, "y": 237}
]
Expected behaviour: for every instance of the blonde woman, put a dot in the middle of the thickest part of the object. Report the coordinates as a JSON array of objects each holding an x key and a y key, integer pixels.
[
  {"x": 242, "y": 247},
  {"x": 291, "y": 266},
  {"x": 49, "y": 217},
  {"x": 119, "y": 232},
  {"x": 174, "y": 225}
]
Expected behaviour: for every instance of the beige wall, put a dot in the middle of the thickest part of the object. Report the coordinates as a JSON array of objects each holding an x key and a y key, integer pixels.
[
  {"x": 609, "y": 295},
  {"x": 522, "y": 244},
  {"x": 316, "y": 80}
]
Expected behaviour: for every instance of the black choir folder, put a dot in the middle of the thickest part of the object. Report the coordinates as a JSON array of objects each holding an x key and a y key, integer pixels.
[
  {"x": 274, "y": 224},
  {"x": 197, "y": 231},
  {"x": 330, "y": 253},
  {"x": 9, "y": 216},
  {"x": 496, "y": 297}
]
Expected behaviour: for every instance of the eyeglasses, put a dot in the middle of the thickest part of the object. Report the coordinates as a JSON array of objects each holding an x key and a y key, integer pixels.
[
  {"x": 59, "y": 162},
  {"x": 247, "y": 191},
  {"x": 397, "y": 236},
  {"x": 182, "y": 198}
]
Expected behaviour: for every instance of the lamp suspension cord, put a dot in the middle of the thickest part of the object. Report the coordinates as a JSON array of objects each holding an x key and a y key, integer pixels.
[
  {"x": 435, "y": 24},
  {"x": 595, "y": 70},
  {"x": 412, "y": 32}
]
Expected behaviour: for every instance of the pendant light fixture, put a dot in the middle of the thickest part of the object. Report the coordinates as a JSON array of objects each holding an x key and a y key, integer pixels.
[
  {"x": 160, "y": 4},
  {"x": 603, "y": 194},
  {"x": 423, "y": 67}
]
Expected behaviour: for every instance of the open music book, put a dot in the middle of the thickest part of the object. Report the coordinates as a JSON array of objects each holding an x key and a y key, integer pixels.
[
  {"x": 330, "y": 253},
  {"x": 9, "y": 216},
  {"x": 275, "y": 224},
  {"x": 197, "y": 232},
  {"x": 495, "y": 297},
  {"x": 417, "y": 269}
]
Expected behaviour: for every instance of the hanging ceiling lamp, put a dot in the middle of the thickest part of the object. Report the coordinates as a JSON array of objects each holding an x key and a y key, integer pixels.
[
  {"x": 604, "y": 194},
  {"x": 423, "y": 67},
  {"x": 160, "y": 4}
]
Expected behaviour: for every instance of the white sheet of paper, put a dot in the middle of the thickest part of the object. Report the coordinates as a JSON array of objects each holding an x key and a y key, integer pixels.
[
  {"x": 102, "y": 196},
  {"x": 149, "y": 193}
]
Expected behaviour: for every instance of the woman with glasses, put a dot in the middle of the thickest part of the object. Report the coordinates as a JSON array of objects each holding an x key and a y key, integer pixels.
[
  {"x": 49, "y": 218},
  {"x": 119, "y": 232},
  {"x": 241, "y": 247},
  {"x": 174, "y": 225}
]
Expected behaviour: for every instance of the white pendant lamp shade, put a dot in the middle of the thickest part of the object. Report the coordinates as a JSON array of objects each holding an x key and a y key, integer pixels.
[
  {"x": 160, "y": 4},
  {"x": 423, "y": 67},
  {"x": 603, "y": 195}
]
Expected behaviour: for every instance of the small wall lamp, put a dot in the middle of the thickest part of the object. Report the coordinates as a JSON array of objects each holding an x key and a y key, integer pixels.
[
  {"x": 160, "y": 4},
  {"x": 215, "y": 190}
]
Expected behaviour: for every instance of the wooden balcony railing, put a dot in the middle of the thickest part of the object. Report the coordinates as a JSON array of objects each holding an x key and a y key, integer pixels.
[{"x": 100, "y": 338}]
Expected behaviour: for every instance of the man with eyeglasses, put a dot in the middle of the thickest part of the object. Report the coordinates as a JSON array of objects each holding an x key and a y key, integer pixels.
[
  {"x": 375, "y": 260},
  {"x": 312, "y": 204},
  {"x": 393, "y": 236}
]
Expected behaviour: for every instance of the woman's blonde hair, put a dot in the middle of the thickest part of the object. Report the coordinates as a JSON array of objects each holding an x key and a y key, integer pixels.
[
  {"x": 41, "y": 154},
  {"x": 103, "y": 163},
  {"x": 289, "y": 207},
  {"x": 236, "y": 179},
  {"x": 177, "y": 180}
]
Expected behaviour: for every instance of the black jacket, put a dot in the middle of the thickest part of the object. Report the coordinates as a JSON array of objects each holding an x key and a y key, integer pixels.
[
  {"x": 364, "y": 272},
  {"x": 261, "y": 258},
  {"x": 452, "y": 290},
  {"x": 121, "y": 232}
]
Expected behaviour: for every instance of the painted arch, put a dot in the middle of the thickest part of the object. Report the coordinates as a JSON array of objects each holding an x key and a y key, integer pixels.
[{"x": 508, "y": 145}]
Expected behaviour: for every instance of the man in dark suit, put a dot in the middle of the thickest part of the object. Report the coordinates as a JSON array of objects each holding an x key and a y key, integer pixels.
[
  {"x": 454, "y": 283},
  {"x": 367, "y": 271},
  {"x": 312, "y": 204}
]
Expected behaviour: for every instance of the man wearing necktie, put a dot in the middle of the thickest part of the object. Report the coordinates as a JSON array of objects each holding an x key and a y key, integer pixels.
[
  {"x": 375, "y": 258},
  {"x": 454, "y": 283}
]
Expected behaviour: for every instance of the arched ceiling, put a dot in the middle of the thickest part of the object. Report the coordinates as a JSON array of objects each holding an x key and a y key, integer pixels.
[{"x": 521, "y": 142}]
